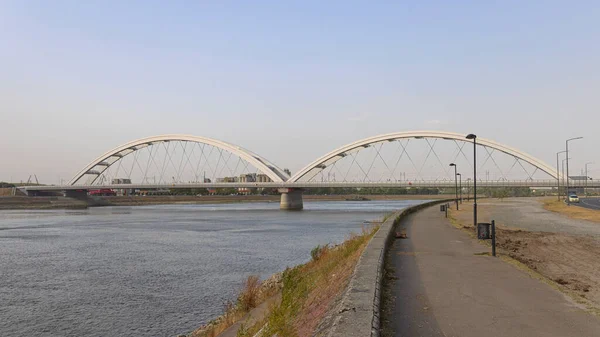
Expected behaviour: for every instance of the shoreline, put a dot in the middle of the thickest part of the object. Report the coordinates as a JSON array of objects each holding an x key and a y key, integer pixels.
[{"x": 47, "y": 203}]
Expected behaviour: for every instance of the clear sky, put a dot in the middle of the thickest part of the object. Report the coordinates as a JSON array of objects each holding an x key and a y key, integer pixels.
[{"x": 292, "y": 80}]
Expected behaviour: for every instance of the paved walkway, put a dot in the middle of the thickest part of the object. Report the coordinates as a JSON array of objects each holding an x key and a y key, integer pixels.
[{"x": 444, "y": 289}]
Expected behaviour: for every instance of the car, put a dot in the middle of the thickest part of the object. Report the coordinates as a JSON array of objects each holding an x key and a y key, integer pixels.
[{"x": 573, "y": 198}]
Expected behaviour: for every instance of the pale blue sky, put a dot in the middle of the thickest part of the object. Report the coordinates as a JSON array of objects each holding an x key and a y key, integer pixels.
[{"x": 292, "y": 81}]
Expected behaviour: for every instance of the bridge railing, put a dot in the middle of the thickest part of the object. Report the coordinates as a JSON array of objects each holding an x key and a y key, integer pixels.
[{"x": 551, "y": 183}]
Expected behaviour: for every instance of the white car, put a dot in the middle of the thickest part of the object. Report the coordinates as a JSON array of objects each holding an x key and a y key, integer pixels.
[{"x": 573, "y": 198}]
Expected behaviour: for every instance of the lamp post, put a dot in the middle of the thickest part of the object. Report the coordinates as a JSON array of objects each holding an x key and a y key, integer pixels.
[
  {"x": 460, "y": 186},
  {"x": 563, "y": 175},
  {"x": 474, "y": 138},
  {"x": 455, "y": 185},
  {"x": 558, "y": 175},
  {"x": 567, "y": 150},
  {"x": 586, "y": 178}
]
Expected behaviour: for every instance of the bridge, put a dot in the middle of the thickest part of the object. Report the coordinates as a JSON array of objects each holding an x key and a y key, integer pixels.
[{"x": 415, "y": 159}]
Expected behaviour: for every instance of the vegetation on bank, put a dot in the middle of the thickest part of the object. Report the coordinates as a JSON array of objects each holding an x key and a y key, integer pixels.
[
  {"x": 251, "y": 295},
  {"x": 307, "y": 293},
  {"x": 310, "y": 289}
]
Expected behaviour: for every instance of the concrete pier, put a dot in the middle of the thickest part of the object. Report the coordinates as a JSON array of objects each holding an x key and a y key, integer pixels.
[{"x": 291, "y": 199}]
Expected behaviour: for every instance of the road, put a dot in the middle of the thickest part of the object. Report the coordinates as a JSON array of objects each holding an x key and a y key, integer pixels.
[
  {"x": 441, "y": 286},
  {"x": 591, "y": 203}
]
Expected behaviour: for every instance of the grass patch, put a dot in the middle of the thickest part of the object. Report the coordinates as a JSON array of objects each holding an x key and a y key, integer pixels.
[
  {"x": 310, "y": 288},
  {"x": 574, "y": 212}
]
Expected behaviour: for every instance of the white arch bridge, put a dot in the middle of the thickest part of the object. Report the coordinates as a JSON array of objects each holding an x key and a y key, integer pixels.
[{"x": 415, "y": 159}]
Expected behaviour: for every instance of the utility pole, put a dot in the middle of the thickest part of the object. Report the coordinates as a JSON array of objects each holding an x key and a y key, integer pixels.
[{"x": 455, "y": 185}]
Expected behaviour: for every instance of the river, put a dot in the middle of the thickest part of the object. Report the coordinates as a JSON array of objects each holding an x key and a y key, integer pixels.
[{"x": 153, "y": 270}]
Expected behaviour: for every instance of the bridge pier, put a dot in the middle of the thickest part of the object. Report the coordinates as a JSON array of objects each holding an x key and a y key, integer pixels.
[{"x": 291, "y": 199}]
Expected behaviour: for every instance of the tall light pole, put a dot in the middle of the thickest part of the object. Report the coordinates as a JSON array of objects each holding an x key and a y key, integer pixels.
[
  {"x": 558, "y": 174},
  {"x": 455, "y": 185},
  {"x": 460, "y": 186},
  {"x": 474, "y": 138},
  {"x": 567, "y": 150},
  {"x": 563, "y": 174},
  {"x": 586, "y": 178}
]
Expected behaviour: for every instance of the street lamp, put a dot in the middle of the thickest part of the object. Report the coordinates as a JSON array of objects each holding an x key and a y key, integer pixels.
[
  {"x": 586, "y": 177},
  {"x": 474, "y": 138},
  {"x": 563, "y": 173},
  {"x": 455, "y": 185},
  {"x": 460, "y": 186},
  {"x": 558, "y": 174}
]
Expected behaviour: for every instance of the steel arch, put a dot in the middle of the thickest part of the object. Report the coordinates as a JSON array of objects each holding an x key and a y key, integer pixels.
[
  {"x": 271, "y": 170},
  {"x": 338, "y": 153}
]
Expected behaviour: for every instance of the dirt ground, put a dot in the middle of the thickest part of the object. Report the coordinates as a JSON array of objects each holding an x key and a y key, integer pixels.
[{"x": 569, "y": 261}]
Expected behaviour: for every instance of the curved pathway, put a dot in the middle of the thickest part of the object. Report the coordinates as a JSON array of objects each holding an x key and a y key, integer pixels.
[{"x": 439, "y": 286}]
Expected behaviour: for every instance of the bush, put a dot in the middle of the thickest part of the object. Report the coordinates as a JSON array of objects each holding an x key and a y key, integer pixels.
[
  {"x": 248, "y": 298},
  {"x": 318, "y": 251}
]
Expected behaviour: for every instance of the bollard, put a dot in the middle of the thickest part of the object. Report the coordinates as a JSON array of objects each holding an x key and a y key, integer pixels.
[{"x": 493, "y": 238}]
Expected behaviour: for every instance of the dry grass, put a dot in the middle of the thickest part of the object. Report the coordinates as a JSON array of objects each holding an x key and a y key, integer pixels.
[
  {"x": 309, "y": 289},
  {"x": 574, "y": 212},
  {"x": 251, "y": 295}
]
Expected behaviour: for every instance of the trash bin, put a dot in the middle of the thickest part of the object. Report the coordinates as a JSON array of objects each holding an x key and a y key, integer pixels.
[
  {"x": 483, "y": 231},
  {"x": 442, "y": 208}
]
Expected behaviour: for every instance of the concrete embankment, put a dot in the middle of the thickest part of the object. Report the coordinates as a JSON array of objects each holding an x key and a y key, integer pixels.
[{"x": 358, "y": 313}]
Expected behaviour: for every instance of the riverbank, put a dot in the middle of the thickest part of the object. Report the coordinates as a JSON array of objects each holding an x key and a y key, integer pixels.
[
  {"x": 23, "y": 202},
  {"x": 560, "y": 251},
  {"x": 337, "y": 293},
  {"x": 298, "y": 299}
]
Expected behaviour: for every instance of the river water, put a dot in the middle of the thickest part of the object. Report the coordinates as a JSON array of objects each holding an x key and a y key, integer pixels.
[{"x": 152, "y": 270}]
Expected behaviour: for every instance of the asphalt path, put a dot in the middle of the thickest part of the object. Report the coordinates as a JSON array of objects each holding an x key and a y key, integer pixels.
[
  {"x": 441, "y": 286},
  {"x": 591, "y": 203}
]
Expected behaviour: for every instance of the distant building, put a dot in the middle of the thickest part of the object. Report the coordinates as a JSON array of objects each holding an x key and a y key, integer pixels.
[
  {"x": 122, "y": 181},
  {"x": 228, "y": 180},
  {"x": 263, "y": 178},
  {"x": 117, "y": 181}
]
